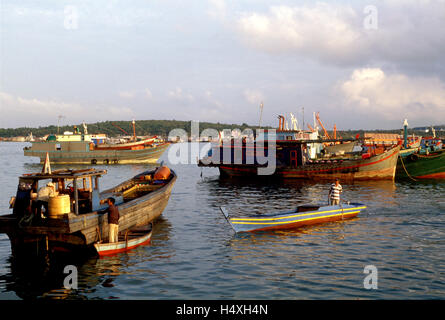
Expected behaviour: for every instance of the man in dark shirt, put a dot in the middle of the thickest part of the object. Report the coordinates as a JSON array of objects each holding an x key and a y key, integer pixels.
[{"x": 113, "y": 220}]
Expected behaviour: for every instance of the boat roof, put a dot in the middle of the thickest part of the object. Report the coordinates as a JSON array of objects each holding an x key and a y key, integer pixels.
[{"x": 64, "y": 174}]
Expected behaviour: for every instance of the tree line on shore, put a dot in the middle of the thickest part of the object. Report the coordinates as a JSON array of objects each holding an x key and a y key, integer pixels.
[{"x": 163, "y": 127}]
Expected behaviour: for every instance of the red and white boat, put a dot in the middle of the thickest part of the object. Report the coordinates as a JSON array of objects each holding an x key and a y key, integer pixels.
[
  {"x": 132, "y": 145},
  {"x": 130, "y": 239}
]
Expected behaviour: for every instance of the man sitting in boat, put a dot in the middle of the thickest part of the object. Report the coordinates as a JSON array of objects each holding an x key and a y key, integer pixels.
[
  {"x": 43, "y": 197},
  {"x": 113, "y": 219},
  {"x": 334, "y": 193}
]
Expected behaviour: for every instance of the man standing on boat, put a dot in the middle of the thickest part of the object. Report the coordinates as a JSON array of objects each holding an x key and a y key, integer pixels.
[
  {"x": 113, "y": 220},
  {"x": 334, "y": 192},
  {"x": 43, "y": 196}
]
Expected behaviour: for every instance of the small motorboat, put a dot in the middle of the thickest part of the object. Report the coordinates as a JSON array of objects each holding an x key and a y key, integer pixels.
[
  {"x": 128, "y": 240},
  {"x": 302, "y": 216}
]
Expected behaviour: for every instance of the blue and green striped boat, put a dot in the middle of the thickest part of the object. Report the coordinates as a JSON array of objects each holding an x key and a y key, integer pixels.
[{"x": 302, "y": 216}]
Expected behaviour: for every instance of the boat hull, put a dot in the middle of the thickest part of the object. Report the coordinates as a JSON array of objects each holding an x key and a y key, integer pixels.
[
  {"x": 294, "y": 219},
  {"x": 105, "y": 249},
  {"x": 379, "y": 167},
  {"x": 78, "y": 152},
  {"x": 418, "y": 166}
]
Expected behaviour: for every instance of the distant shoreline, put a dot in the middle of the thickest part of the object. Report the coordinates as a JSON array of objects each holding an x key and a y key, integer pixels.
[{"x": 163, "y": 127}]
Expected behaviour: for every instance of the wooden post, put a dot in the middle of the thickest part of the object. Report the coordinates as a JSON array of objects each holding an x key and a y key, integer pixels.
[{"x": 76, "y": 197}]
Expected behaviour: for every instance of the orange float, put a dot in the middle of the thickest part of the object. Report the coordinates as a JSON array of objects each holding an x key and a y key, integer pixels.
[{"x": 162, "y": 173}]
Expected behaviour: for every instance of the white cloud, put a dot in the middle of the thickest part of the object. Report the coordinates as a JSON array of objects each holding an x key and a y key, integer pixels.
[
  {"x": 394, "y": 97},
  {"x": 148, "y": 93},
  {"x": 407, "y": 32},
  {"x": 179, "y": 94},
  {"x": 217, "y": 9},
  {"x": 44, "y": 112},
  {"x": 323, "y": 27},
  {"x": 253, "y": 96},
  {"x": 126, "y": 94}
]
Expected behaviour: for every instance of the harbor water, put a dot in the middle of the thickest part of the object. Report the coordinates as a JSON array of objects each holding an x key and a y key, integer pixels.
[{"x": 194, "y": 253}]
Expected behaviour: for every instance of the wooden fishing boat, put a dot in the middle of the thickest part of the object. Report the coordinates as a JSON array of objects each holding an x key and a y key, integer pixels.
[
  {"x": 291, "y": 163},
  {"x": 128, "y": 240},
  {"x": 84, "y": 148},
  {"x": 286, "y": 154},
  {"x": 76, "y": 220},
  {"x": 86, "y": 152},
  {"x": 302, "y": 216}
]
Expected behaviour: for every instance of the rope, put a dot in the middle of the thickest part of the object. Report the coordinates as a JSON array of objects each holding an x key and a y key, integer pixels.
[
  {"x": 403, "y": 165},
  {"x": 429, "y": 156}
]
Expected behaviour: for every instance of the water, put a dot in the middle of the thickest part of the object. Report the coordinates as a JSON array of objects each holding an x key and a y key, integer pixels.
[{"x": 194, "y": 253}]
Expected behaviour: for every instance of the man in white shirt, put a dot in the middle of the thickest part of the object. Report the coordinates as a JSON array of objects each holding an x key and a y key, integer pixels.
[
  {"x": 43, "y": 197},
  {"x": 334, "y": 193}
]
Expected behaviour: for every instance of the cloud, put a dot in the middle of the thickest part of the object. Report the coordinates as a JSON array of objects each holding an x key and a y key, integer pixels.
[
  {"x": 148, "y": 93},
  {"x": 394, "y": 97},
  {"x": 126, "y": 94},
  {"x": 407, "y": 33},
  {"x": 217, "y": 9},
  {"x": 253, "y": 96},
  {"x": 180, "y": 95},
  {"x": 44, "y": 112},
  {"x": 321, "y": 28}
]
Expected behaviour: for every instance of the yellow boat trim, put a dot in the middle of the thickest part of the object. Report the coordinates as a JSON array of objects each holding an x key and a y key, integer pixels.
[
  {"x": 287, "y": 222},
  {"x": 294, "y": 216}
]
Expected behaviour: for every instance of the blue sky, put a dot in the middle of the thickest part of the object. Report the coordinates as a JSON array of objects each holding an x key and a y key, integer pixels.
[{"x": 217, "y": 60}]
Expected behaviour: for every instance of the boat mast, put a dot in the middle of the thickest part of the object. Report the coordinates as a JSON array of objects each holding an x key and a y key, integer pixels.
[
  {"x": 261, "y": 114},
  {"x": 134, "y": 130}
]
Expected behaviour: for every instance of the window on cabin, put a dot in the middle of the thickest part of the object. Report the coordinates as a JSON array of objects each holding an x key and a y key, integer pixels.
[{"x": 58, "y": 146}]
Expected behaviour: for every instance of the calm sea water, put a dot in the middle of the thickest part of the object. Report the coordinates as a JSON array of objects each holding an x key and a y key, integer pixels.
[{"x": 194, "y": 253}]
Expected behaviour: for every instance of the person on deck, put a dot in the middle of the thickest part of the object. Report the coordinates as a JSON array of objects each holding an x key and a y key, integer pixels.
[
  {"x": 334, "y": 193},
  {"x": 43, "y": 197},
  {"x": 113, "y": 219}
]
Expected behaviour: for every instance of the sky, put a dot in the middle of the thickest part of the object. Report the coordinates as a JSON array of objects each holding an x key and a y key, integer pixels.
[{"x": 360, "y": 64}]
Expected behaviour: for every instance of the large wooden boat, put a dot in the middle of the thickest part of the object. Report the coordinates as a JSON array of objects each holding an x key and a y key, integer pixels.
[
  {"x": 83, "y": 148},
  {"x": 302, "y": 216},
  {"x": 77, "y": 220},
  {"x": 293, "y": 154},
  {"x": 84, "y": 152},
  {"x": 292, "y": 162}
]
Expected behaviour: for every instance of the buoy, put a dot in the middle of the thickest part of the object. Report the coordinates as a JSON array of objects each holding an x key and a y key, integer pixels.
[{"x": 162, "y": 173}]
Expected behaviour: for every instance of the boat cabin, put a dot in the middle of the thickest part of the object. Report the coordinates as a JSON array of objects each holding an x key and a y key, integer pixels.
[{"x": 73, "y": 191}]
